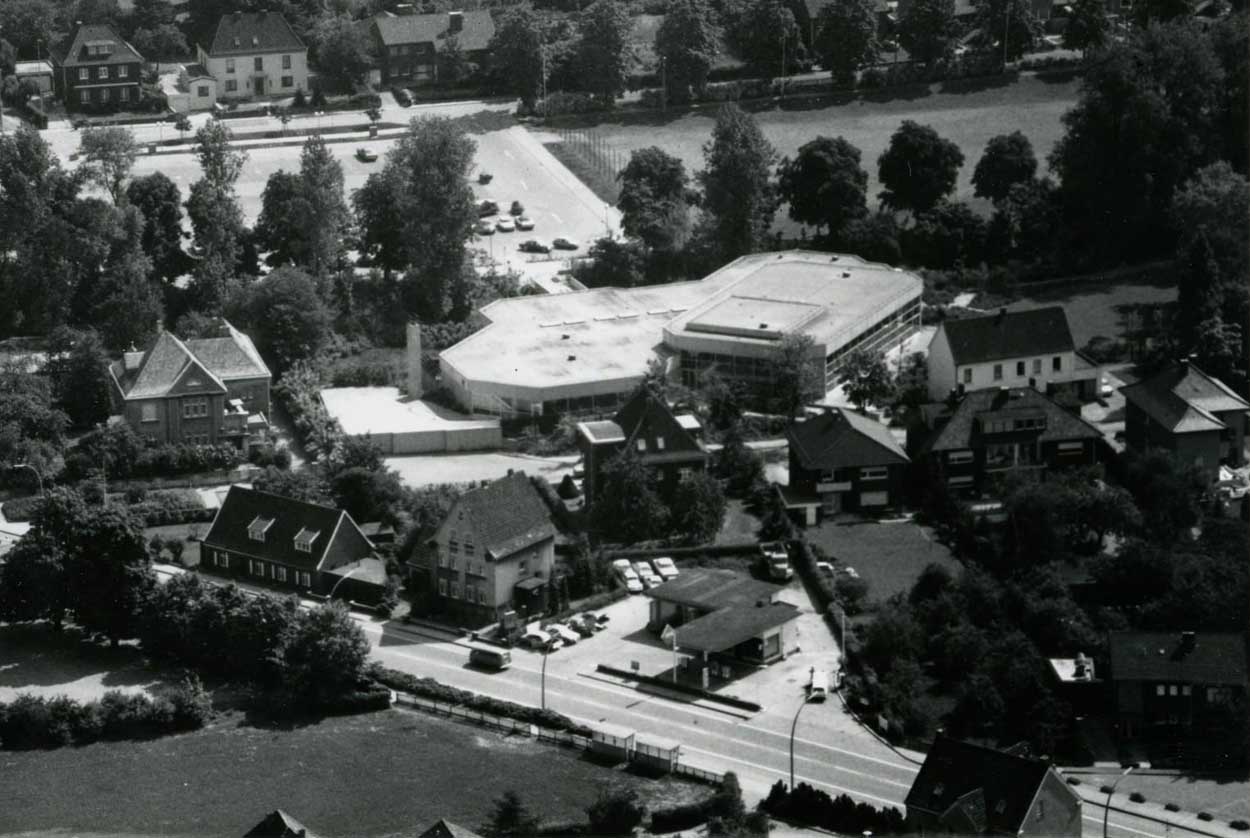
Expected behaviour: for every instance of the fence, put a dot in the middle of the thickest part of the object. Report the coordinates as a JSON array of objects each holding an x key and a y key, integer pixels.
[{"x": 594, "y": 150}]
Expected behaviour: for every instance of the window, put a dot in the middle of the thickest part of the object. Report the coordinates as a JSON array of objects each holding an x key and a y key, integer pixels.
[
  {"x": 201, "y": 90},
  {"x": 659, "y": 443},
  {"x": 279, "y": 573},
  {"x": 123, "y": 72},
  {"x": 1056, "y": 363},
  {"x": 1161, "y": 690},
  {"x": 1037, "y": 366},
  {"x": 231, "y": 85},
  {"x": 874, "y": 473},
  {"x": 998, "y": 372},
  {"x": 304, "y": 540},
  {"x": 1173, "y": 691},
  {"x": 305, "y": 578},
  {"x": 468, "y": 544},
  {"x": 124, "y": 94},
  {"x": 1219, "y": 695},
  {"x": 642, "y": 445},
  {"x": 1187, "y": 689},
  {"x": 286, "y": 62},
  {"x": 223, "y": 559},
  {"x": 967, "y": 375},
  {"x": 481, "y": 595},
  {"x": 149, "y": 412},
  {"x": 102, "y": 73},
  {"x": 104, "y": 95},
  {"x": 1070, "y": 448},
  {"x": 193, "y": 408},
  {"x": 258, "y": 64},
  {"x": 453, "y": 543},
  {"x": 288, "y": 81},
  {"x": 84, "y": 74},
  {"x": 258, "y": 568},
  {"x": 684, "y": 473},
  {"x": 84, "y": 96},
  {"x": 1019, "y": 369},
  {"x": 442, "y": 587},
  {"x": 455, "y": 590},
  {"x": 455, "y": 563},
  {"x": 256, "y": 530},
  {"x": 229, "y": 65},
  {"x": 959, "y": 457},
  {"x": 442, "y": 559},
  {"x": 1000, "y": 456},
  {"x": 522, "y": 568}
]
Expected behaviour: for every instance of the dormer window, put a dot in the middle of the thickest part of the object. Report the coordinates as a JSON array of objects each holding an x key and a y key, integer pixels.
[
  {"x": 304, "y": 540},
  {"x": 938, "y": 789},
  {"x": 259, "y": 526}
]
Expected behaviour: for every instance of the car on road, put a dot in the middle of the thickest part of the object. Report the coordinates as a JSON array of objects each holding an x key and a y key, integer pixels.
[
  {"x": 563, "y": 633},
  {"x": 534, "y": 246},
  {"x": 524, "y": 222},
  {"x": 565, "y": 244},
  {"x": 366, "y": 155},
  {"x": 485, "y": 227},
  {"x": 505, "y": 225},
  {"x": 490, "y": 658},
  {"x": 776, "y": 561},
  {"x": 487, "y": 207},
  {"x": 817, "y": 685},
  {"x": 665, "y": 568}
]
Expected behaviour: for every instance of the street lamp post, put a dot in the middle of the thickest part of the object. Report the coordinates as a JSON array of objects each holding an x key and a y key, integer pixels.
[
  {"x": 1106, "y": 809},
  {"x": 38, "y": 476},
  {"x": 794, "y": 727},
  {"x": 543, "y": 678}
]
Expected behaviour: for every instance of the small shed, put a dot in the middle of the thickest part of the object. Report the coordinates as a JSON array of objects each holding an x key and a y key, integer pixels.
[
  {"x": 611, "y": 740},
  {"x": 38, "y": 73},
  {"x": 656, "y": 753}
]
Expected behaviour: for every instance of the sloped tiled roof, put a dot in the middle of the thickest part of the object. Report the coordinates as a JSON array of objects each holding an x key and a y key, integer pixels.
[
  {"x": 1183, "y": 398},
  {"x": 229, "y": 353},
  {"x": 163, "y": 364},
  {"x": 840, "y": 438},
  {"x": 647, "y": 416},
  {"x": 508, "y": 514},
  {"x": 476, "y": 34},
  {"x": 76, "y": 54},
  {"x": 1009, "y": 334},
  {"x": 961, "y": 429},
  {"x": 954, "y": 772},
  {"x": 246, "y": 33},
  {"x": 1162, "y": 656},
  {"x": 278, "y": 824},
  {"x": 289, "y": 516},
  {"x": 446, "y": 829},
  {"x": 713, "y": 588}
]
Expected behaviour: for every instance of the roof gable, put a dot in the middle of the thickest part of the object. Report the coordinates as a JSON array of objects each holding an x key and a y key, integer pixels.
[
  {"x": 444, "y": 828},
  {"x": 961, "y": 431},
  {"x": 477, "y": 29},
  {"x": 646, "y": 416},
  {"x": 229, "y": 353},
  {"x": 320, "y": 527},
  {"x": 195, "y": 379},
  {"x": 1008, "y": 334},
  {"x": 164, "y": 365},
  {"x": 278, "y": 824},
  {"x": 952, "y": 774},
  {"x": 840, "y": 438},
  {"x": 506, "y": 515},
  {"x": 91, "y": 34},
  {"x": 1184, "y": 399},
  {"x": 244, "y": 33},
  {"x": 1166, "y": 656}
]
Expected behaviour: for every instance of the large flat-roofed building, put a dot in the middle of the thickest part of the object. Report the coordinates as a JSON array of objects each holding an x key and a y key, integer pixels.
[{"x": 585, "y": 352}]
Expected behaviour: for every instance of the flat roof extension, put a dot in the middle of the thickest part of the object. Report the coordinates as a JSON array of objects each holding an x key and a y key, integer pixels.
[{"x": 714, "y": 588}]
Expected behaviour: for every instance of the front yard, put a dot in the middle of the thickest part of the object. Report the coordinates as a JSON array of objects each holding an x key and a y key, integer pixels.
[{"x": 888, "y": 556}]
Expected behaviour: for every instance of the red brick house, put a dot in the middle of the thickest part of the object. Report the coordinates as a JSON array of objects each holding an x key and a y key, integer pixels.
[
  {"x": 98, "y": 71},
  {"x": 966, "y": 789},
  {"x": 840, "y": 461}
]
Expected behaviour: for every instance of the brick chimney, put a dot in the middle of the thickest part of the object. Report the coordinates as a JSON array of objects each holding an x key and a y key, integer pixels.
[
  {"x": 455, "y": 21},
  {"x": 412, "y": 356}
]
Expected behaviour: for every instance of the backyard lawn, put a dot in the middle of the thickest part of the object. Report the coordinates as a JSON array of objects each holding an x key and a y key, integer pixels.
[
  {"x": 386, "y": 773},
  {"x": 888, "y": 556},
  {"x": 1105, "y": 311}
]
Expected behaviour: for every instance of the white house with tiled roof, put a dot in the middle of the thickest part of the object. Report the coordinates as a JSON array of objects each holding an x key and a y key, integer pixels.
[
  {"x": 254, "y": 55},
  {"x": 203, "y": 391}
]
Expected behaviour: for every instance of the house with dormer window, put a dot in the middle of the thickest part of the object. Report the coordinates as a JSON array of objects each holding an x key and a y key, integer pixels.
[
  {"x": 292, "y": 545},
  {"x": 254, "y": 55},
  {"x": 98, "y": 71}
]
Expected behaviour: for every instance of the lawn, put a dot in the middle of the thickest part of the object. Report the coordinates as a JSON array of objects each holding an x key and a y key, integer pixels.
[
  {"x": 1105, "y": 311},
  {"x": 888, "y": 556},
  {"x": 34, "y": 659},
  {"x": 393, "y": 772}
]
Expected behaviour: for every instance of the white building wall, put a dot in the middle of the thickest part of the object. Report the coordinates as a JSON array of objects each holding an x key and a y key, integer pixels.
[
  {"x": 245, "y": 74},
  {"x": 941, "y": 365}
]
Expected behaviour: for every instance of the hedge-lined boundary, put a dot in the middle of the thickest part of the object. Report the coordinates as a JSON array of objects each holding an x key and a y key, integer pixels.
[{"x": 740, "y": 704}]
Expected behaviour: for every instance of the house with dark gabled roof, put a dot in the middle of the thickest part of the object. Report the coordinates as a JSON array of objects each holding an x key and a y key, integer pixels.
[
  {"x": 493, "y": 553},
  {"x": 209, "y": 390},
  {"x": 278, "y": 824},
  {"x": 840, "y": 461},
  {"x": 967, "y": 789},
  {"x": 1031, "y": 348},
  {"x": 968, "y": 440},
  {"x": 1176, "y": 680},
  {"x": 407, "y": 46},
  {"x": 1195, "y": 416},
  {"x": 292, "y": 545},
  {"x": 668, "y": 445},
  {"x": 444, "y": 828},
  {"x": 253, "y": 55},
  {"x": 99, "y": 70}
]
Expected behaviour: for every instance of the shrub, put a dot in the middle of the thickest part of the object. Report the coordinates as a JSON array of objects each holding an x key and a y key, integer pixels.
[
  {"x": 1206, "y": 816},
  {"x": 615, "y": 812},
  {"x": 1171, "y": 807},
  {"x": 1073, "y": 781},
  {"x": 191, "y": 704},
  {"x": 1239, "y": 824},
  {"x": 22, "y": 509},
  {"x": 1104, "y": 789},
  {"x": 1137, "y": 797},
  {"x": 806, "y": 805},
  {"x": 35, "y": 722}
]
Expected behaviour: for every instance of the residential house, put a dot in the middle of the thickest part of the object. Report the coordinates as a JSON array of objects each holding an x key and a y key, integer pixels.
[
  {"x": 967, "y": 789},
  {"x": 493, "y": 553},
  {"x": 253, "y": 55},
  {"x": 407, "y": 47},
  {"x": 970, "y": 439},
  {"x": 444, "y": 828},
  {"x": 840, "y": 461},
  {"x": 807, "y": 13},
  {"x": 1193, "y": 415},
  {"x": 39, "y": 73},
  {"x": 206, "y": 391},
  {"x": 1176, "y": 680},
  {"x": 1031, "y": 348},
  {"x": 722, "y": 619},
  {"x": 290, "y": 544},
  {"x": 98, "y": 70},
  {"x": 670, "y": 446},
  {"x": 278, "y": 824}
]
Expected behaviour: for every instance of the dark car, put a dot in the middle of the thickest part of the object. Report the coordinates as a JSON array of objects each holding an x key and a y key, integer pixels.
[
  {"x": 534, "y": 246},
  {"x": 485, "y": 208},
  {"x": 365, "y": 155}
]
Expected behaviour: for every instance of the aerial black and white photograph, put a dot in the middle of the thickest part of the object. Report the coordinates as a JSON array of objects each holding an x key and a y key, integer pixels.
[{"x": 577, "y": 418}]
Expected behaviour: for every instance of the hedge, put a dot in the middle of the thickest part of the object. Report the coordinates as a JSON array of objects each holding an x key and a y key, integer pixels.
[
  {"x": 299, "y": 390},
  {"x": 366, "y": 699},
  {"x": 680, "y": 817},
  {"x": 22, "y": 509},
  {"x": 810, "y": 806},
  {"x": 432, "y": 689}
]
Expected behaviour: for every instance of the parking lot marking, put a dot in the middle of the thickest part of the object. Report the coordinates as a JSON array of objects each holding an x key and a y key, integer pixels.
[{"x": 524, "y": 187}]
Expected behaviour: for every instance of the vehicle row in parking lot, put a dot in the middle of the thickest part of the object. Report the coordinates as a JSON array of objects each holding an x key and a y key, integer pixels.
[
  {"x": 641, "y": 575},
  {"x": 555, "y": 636}
]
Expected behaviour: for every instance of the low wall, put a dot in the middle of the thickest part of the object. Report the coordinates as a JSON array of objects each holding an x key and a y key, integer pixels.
[{"x": 431, "y": 442}]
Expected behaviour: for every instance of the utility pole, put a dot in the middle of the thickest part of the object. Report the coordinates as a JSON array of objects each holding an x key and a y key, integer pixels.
[
  {"x": 1006, "y": 32},
  {"x": 663, "y": 85}
]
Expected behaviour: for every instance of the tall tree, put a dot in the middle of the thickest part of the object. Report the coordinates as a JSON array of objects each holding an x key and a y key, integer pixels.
[
  {"x": 1201, "y": 295},
  {"x": 627, "y": 508},
  {"x": 128, "y": 307},
  {"x": 1088, "y": 27},
  {"x": 654, "y": 198},
  {"x": 927, "y": 29},
  {"x": 216, "y": 216},
  {"x": 846, "y": 38},
  {"x": 518, "y": 49},
  {"x": 341, "y": 51},
  {"x": 287, "y": 317},
  {"x": 78, "y": 368},
  {"x": 762, "y": 34},
  {"x": 33, "y": 582},
  {"x": 1204, "y": 206},
  {"x": 1011, "y": 22},
  {"x": 698, "y": 509},
  {"x": 110, "y": 573},
  {"x": 284, "y": 218},
  {"x": 377, "y": 210},
  {"x": 866, "y": 379},
  {"x": 321, "y": 181},
  {"x": 328, "y": 653},
  {"x": 28, "y": 23},
  {"x": 687, "y": 43},
  {"x": 109, "y": 154},
  {"x": 918, "y": 168},
  {"x": 798, "y": 374},
  {"x": 510, "y": 818},
  {"x": 1008, "y": 160},
  {"x": 604, "y": 50},
  {"x": 825, "y": 184},
  {"x": 159, "y": 200},
  {"x": 739, "y": 197},
  {"x": 163, "y": 42}
]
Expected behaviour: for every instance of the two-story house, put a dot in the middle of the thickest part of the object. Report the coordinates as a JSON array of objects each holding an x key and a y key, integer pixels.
[
  {"x": 407, "y": 47},
  {"x": 1195, "y": 416},
  {"x": 843, "y": 461},
  {"x": 493, "y": 553},
  {"x": 1032, "y": 348},
  {"x": 204, "y": 391},
  {"x": 99, "y": 70},
  {"x": 668, "y": 445},
  {"x": 967, "y": 789},
  {"x": 253, "y": 55},
  {"x": 970, "y": 439},
  {"x": 291, "y": 544}
]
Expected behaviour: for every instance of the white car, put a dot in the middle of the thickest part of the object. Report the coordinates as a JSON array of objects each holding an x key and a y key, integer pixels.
[
  {"x": 505, "y": 225},
  {"x": 524, "y": 223},
  {"x": 643, "y": 568},
  {"x": 619, "y": 566},
  {"x": 631, "y": 581},
  {"x": 651, "y": 581},
  {"x": 826, "y": 568},
  {"x": 539, "y": 640},
  {"x": 665, "y": 567},
  {"x": 563, "y": 633},
  {"x": 1104, "y": 388}
]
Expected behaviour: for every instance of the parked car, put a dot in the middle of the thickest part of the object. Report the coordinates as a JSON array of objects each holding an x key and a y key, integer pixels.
[
  {"x": 777, "y": 561},
  {"x": 818, "y": 685},
  {"x": 487, "y": 207},
  {"x": 505, "y": 225},
  {"x": 620, "y": 565},
  {"x": 665, "y": 568},
  {"x": 1104, "y": 388},
  {"x": 563, "y": 633},
  {"x": 366, "y": 155},
  {"x": 524, "y": 222},
  {"x": 540, "y": 640},
  {"x": 565, "y": 244},
  {"x": 516, "y": 209},
  {"x": 651, "y": 581},
  {"x": 485, "y": 178},
  {"x": 484, "y": 228},
  {"x": 583, "y": 627},
  {"x": 631, "y": 581},
  {"x": 534, "y": 246},
  {"x": 826, "y": 568}
]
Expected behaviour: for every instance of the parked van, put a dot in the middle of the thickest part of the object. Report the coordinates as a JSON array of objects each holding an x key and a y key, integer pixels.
[
  {"x": 490, "y": 658},
  {"x": 818, "y": 687}
]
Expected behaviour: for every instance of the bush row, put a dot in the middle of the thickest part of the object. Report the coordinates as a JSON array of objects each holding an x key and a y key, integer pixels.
[
  {"x": 31, "y": 721},
  {"x": 429, "y": 688},
  {"x": 567, "y": 102},
  {"x": 21, "y": 509},
  {"x": 299, "y": 390},
  {"x": 809, "y": 806},
  {"x": 725, "y": 803},
  {"x": 284, "y": 704},
  {"x": 366, "y": 374}
]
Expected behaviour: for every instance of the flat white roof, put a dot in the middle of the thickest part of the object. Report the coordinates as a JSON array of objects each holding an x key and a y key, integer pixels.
[{"x": 384, "y": 410}]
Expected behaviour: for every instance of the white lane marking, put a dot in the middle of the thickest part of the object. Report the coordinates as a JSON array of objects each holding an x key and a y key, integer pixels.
[
  {"x": 797, "y": 778},
  {"x": 1125, "y": 828},
  {"x": 524, "y": 187},
  {"x": 557, "y": 218}
]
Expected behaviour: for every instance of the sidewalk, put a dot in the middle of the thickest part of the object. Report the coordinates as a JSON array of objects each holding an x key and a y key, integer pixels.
[{"x": 1154, "y": 811}]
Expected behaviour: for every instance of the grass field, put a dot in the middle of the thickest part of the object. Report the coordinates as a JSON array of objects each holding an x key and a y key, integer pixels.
[
  {"x": 889, "y": 557},
  {"x": 1102, "y": 311},
  {"x": 387, "y": 773}
]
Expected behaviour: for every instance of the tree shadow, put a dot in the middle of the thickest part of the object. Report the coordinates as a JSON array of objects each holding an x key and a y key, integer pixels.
[
  {"x": 34, "y": 655},
  {"x": 1058, "y": 76},
  {"x": 901, "y": 93},
  {"x": 978, "y": 84}
]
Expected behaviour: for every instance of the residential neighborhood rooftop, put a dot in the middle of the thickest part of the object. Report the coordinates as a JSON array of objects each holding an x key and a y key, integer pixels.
[
  {"x": 1009, "y": 334},
  {"x": 842, "y": 438},
  {"x": 713, "y": 588},
  {"x": 476, "y": 31},
  {"x": 962, "y": 426},
  {"x": 508, "y": 514},
  {"x": 247, "y": 33},
  {"x": 110, "y": 47},
  {"x": 1183, "y": 399},
  {"x": 1195, "y": 657}
]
